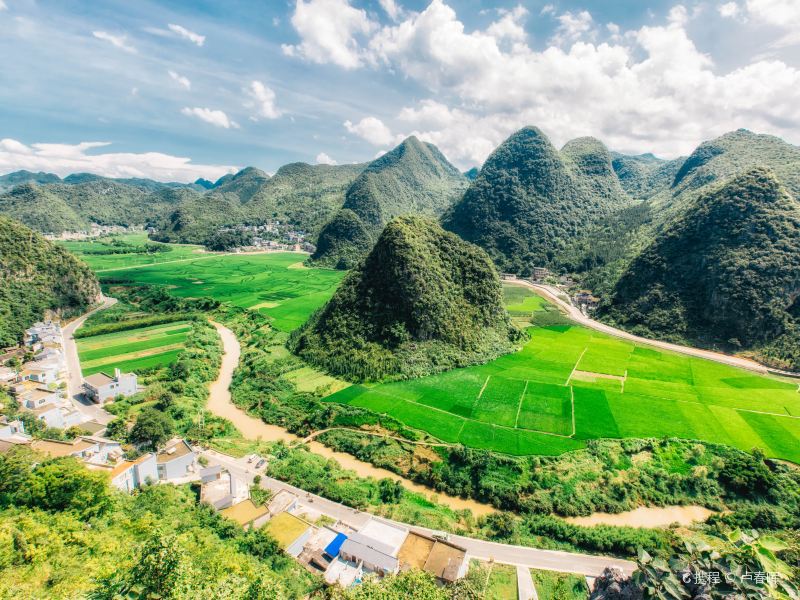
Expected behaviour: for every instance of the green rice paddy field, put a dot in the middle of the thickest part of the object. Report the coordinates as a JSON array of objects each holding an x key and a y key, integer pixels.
[
  {"x": 569, "y": 384},
  {"x": 86, "y": 249},
  {"x": 276, "y": 284},
  {"x": 134, "y": 349}
]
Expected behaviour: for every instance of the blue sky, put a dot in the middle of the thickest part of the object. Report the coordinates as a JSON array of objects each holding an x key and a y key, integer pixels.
[{"x": 176, "y": 90}]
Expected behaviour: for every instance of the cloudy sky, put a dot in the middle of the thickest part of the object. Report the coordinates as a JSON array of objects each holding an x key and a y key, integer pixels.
[{"x": 178, "y": 90}]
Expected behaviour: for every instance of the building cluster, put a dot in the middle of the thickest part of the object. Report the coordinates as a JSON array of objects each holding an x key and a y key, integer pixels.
[
  {"x": 585, "y": 301},
  {"x": 95, "y": 230},
  {"x": 275, "y": 236},
  {"x": 39, "y": 385},
  {"x": 341, "y": 553}
]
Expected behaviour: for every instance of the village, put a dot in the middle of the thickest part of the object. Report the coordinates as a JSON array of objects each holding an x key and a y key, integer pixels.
[{"x": 340, "y": 544}]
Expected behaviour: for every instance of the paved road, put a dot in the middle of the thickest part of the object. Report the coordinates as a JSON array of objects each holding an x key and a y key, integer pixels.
[
  {"x": 74, "y": 378},
  {"x": 525, "y": 587},
  {"x": 574, "y": 313},
  {"x": 529, "y": 558}
]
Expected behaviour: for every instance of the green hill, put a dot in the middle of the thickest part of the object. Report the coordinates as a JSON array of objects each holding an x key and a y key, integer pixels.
[
  {"x": 40, "y": 208},
  {"x": 198, "y": 218},
  {"x": 414, "y": 178},
  {"x": 725, "y": 271},
  {"x": 37, "y": 276},
  {"x": 422, "y": 301},
  {"x": 11, "y": 180},
  {"x": 303, "y": 195},
  {"x": 243, "y": 184},
  {"x": 645, "y": 175},
  {"x": 530, "y": 201}
]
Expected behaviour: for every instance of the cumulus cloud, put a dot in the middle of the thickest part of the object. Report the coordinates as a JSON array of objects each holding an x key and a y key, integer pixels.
[
  {"x": 64, "y": 159},
  {"x": 329, "y": 31},
  {"x": 783, "y": 14},
  {"x": 180, "y": 79},
  {"x": 728, "y": 10},
  {"x": 3, "y": 5},
  {"x": 391, "y": 8},
  {"x": 649, "y": 89},
  {"x": 118, "y": 41},
  {"x": 214, "y": 117},
  {"x": 372, "y": 130},
  {"x": 262, "y": 100},
  {"x": 186, "y": 34},
  {"x": 324, "y": 159},
  {"x": 573, "y": 26}
]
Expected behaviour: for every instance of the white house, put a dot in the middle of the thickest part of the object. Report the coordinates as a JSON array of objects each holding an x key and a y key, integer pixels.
[
  {"x": 100, "y": 388},
  {"x": 131, "y": 475},
  {"x": 177, "y": 460}
]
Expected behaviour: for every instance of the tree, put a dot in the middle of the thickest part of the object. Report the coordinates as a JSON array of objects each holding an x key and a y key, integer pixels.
[
  {"x": 66, "y": 484},
  {"x": 117, "y": 429},
  {"x": 152, "y": 429}
]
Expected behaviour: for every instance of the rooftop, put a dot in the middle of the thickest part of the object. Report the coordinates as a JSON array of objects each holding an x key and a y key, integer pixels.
[
  {"x": 55, "y": 448},
  {"x": 286, "y": 528},
  {"x": 369, "y": 555},
  {"x": 174, "y": 449},
  {"x": 244, "y": 512},
  {"x": 97, "y": 380}
]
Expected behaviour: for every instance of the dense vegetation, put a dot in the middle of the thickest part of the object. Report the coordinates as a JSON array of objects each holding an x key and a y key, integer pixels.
[
  {"x": 422, "y": 301},
  {"x": 65, "y": 534},
  {"x": 414, "y": 178},
  {"x": 35, "y": 277},
  {"x": 725, "y": 271},
  {"x": 530, "y": 201}
]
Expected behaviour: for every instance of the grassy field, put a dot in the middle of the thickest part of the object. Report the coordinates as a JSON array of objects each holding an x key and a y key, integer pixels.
[
  {"x": 559, "y": 586},
  {"x": 569, "y": 384},
  {"x": 134, "y": 349},
  {"x": 101, "y": 262},
  {"x": 273, "y": 283},
  {"x": 502, "y": 584}
]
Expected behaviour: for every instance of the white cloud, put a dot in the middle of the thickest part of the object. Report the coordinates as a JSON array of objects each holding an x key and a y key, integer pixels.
[
  {"x": 509, "y": 27},
  {"x": 215, "y": 117},
  {"x": 391, "y": 8},
  {"x": 3, "y": 5},
  {"x": 180, "y": 79},
  {"x": 262, "y": 99},
  {"x": 372, "y": 130},
  {"x": 783, "y": 14},
  {"x": 64, "y": 159},
  {"x": 329, "y": 32},
  {"x": 572, "y": 27},
  {"x": 548, "y": 9},
  {"x": 118, "y": 41},
  {"x": 649, "y": 89},
  {"x": 186, "y": 34},
  {"x": 324, "y": 159},
  {"x": 729, "y": 10}
]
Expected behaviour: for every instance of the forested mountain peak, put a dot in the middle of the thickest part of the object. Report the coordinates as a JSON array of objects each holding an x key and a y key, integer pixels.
[
  {"x": 37, "y": 276},
  {"x": 244, "y": 184},
  {"x": 423, "y": 300},
  {"x": 9, "y": 180},
  {"x": 413, "y": 178},
  {"x": 529, "y": 200},
  {"x": 38, "y": 208},
  {"x": 726, "y": 270}
]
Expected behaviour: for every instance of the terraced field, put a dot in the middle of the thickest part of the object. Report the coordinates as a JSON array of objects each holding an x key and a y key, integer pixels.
[
  {"x": 134, "y": 349},
  {"x": 274, "y": 283},
  {"x": 569, "y": 384}
]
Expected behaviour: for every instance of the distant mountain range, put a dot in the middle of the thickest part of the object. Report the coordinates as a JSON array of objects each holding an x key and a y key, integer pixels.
[{"x": 619, "y": 224}]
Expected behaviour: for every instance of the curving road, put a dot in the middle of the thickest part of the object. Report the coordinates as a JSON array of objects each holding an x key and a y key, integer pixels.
[
  {"x": 74, "y": 376},
  {"x": 553, "y": 294}
]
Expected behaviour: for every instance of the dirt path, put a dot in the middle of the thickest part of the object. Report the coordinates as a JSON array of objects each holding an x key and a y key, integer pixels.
[
  {"x": 576, "y": 315},
  {"x": 220, "y": 404}
]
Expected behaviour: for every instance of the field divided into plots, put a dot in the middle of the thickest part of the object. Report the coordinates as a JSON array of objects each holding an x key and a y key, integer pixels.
[
  {"x": 93, "y": 251},
  {"x": 276, "y": 283},
  {"x": 569, "y": 376},
  {"x": 134, "y": 349}
]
